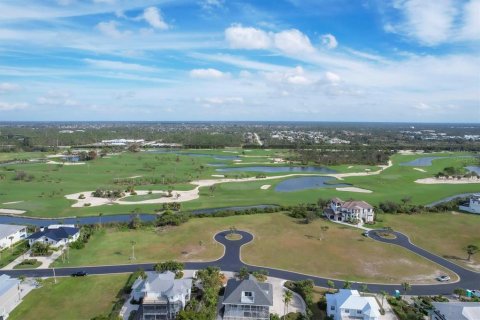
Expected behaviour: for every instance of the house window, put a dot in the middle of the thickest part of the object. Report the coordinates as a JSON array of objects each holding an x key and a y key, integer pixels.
[
  {"x": 347, "y": 311},
  {"x": 359, "y": 311},
  {"x": 247, "y": 294},
  {"x": 332, "y": 308}
]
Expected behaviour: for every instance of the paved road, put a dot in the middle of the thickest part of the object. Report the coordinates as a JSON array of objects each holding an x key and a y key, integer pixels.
[{"x": 231, "y": 261}]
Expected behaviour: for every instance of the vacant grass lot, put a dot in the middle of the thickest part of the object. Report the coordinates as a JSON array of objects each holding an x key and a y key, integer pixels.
[
  {"x": 71, "y": 298},
  {"x": 280, "y": 242},
  {"x": 445, "y": 234}
]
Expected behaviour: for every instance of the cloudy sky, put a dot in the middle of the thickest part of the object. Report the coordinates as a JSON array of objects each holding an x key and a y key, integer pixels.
[{"x": 315, "y": 60}]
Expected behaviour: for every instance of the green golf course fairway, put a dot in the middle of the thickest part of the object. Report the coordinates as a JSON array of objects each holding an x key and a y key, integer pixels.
[{"x": 44, "y": 195}]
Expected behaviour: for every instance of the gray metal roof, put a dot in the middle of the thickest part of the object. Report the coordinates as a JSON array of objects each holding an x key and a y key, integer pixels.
[
  {"x": 458, "y": 310},
  {"x": 9, "y": 229},
  {"x": 6, "y": 283},
  {"x": 263, "y": 292},
  {"x": 165, "y": 284}
]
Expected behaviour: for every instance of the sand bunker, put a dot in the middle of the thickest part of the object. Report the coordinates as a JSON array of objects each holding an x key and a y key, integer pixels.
[
  {"x": 133, "y": 177},
  {"x": 419, "y": 169},
  {"x": 354, "y": 189},
  {"x": 13, "y": 202},
  {"x": 218, "y": 175},
  {"x": 448, "y": 181},
  {"x": 265, "y": 186},
  {"x": 12, "y": 211},
  {"x": 65, "y": 163}
]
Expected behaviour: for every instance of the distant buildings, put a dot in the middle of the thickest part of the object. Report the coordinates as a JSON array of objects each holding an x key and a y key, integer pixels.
[
  {"x": 247, "y": 300},
  {"x": 11, "y": 234},
  {"x": 455, "y": 311},
  {"x": 9, "y": 295},
  {"x": 122, "y": 142},
  {"x": 340, "y": 210},
  {"x": 162, "y": 296},
  {"x": 349, "y": 304},
  {"x": 473, "y": 205},
  {"x": 55, "y": 235}
]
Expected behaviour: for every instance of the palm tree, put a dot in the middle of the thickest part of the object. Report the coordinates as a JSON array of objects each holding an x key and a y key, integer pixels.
[
  {"x": 331, "y": 284},
  {"x": 471, "y": 250},
  {"x": 384, "y": 294},
  {"x": 287, "y": 298},
  {"x": 133, "y": 250},
  {"x": 406, "y": 286},
  {"x": 347, "y": 285},
  {"x": 11, "y": 242}
]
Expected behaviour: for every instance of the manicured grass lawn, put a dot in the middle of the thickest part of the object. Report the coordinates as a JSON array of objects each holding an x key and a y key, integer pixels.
[
  {"x": 143, "y": 197},
  {"x": 44, "y": 196},
  {"x": 24, "y": 265},
  {"x": 445, "y": 234},
  {"x": 71, "y": 298},
  {"x": 280, "y": 242},
  {"x": 8, "y": 255}
]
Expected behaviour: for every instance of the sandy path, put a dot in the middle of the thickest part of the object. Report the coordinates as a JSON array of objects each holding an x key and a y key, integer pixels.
[
  {"x": 354, "y": 189},
  {"x": 419, "y": 169},
  {"x": 182, "y": 196},
  {"x": 447, "y": 181}
]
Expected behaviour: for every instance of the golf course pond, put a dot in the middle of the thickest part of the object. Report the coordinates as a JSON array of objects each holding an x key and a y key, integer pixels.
[
  {"x": 304, "y": 183},
  {"x": 287, "y": 169}
]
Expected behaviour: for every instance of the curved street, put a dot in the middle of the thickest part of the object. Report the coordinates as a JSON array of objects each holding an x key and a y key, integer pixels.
[{"x": 231, "y": 261}]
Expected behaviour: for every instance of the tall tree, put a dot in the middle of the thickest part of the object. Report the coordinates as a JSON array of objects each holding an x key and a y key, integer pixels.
[
  {"x": 287, "y": 298},
  {"x": 471, "y": 250}
]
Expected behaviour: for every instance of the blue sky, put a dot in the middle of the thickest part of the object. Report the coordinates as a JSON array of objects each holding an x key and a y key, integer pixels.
[{"x": 313, "y": 60}]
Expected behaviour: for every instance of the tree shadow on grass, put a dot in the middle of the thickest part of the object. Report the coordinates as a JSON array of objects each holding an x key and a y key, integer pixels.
[{"x": 454, "y": 257}]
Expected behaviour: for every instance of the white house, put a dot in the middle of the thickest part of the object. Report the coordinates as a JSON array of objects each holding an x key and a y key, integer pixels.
[
  {"x": 9, "y": 295},
  {"x": 55, "y": 235},
  {"x": 473, "y": 205},
  {"x": 349, "y": 304},
  {"x": 161, "y": 295},
  {"x": 11, "y": 234},
  {"x": 340, "y": 210}
]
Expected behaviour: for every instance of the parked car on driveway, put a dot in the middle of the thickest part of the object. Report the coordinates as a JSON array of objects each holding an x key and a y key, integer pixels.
[
  {"x": 476, "y": 293},
  {"x": 79, "y": 274},
  {"x": 443, "y": 278}
]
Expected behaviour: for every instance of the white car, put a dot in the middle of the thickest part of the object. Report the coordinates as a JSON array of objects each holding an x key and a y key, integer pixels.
[
  {"x": 443, "y": 278},
  {"x": 476, "y": 293}
]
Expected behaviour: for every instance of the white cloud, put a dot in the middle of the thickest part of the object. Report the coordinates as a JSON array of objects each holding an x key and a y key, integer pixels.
[
  {"x": 154, "y": 17},
  {"x": 118, "y": 65},
  {"x": 422, "y": 106},
  {"x": 329, "y": 41},
  {"x": 293, "y": 42},
  {"x": 110, "y": 29},
  {"x": 211, "y": 4},
  {"x": 239, "y": 37},
  {"x": 471, "y": 21},
  {"x": 6, "y": 87},
  {"x": 219, "y": 101},
  {"x": 332, "y": 77},
  {"x": 209, "y": 73},
  {"x": 57, "y": 98},
  {"x": 7, "y": 106},
  {"x": 104, "y": 1},
  {"x": 429, "y": 22}
]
